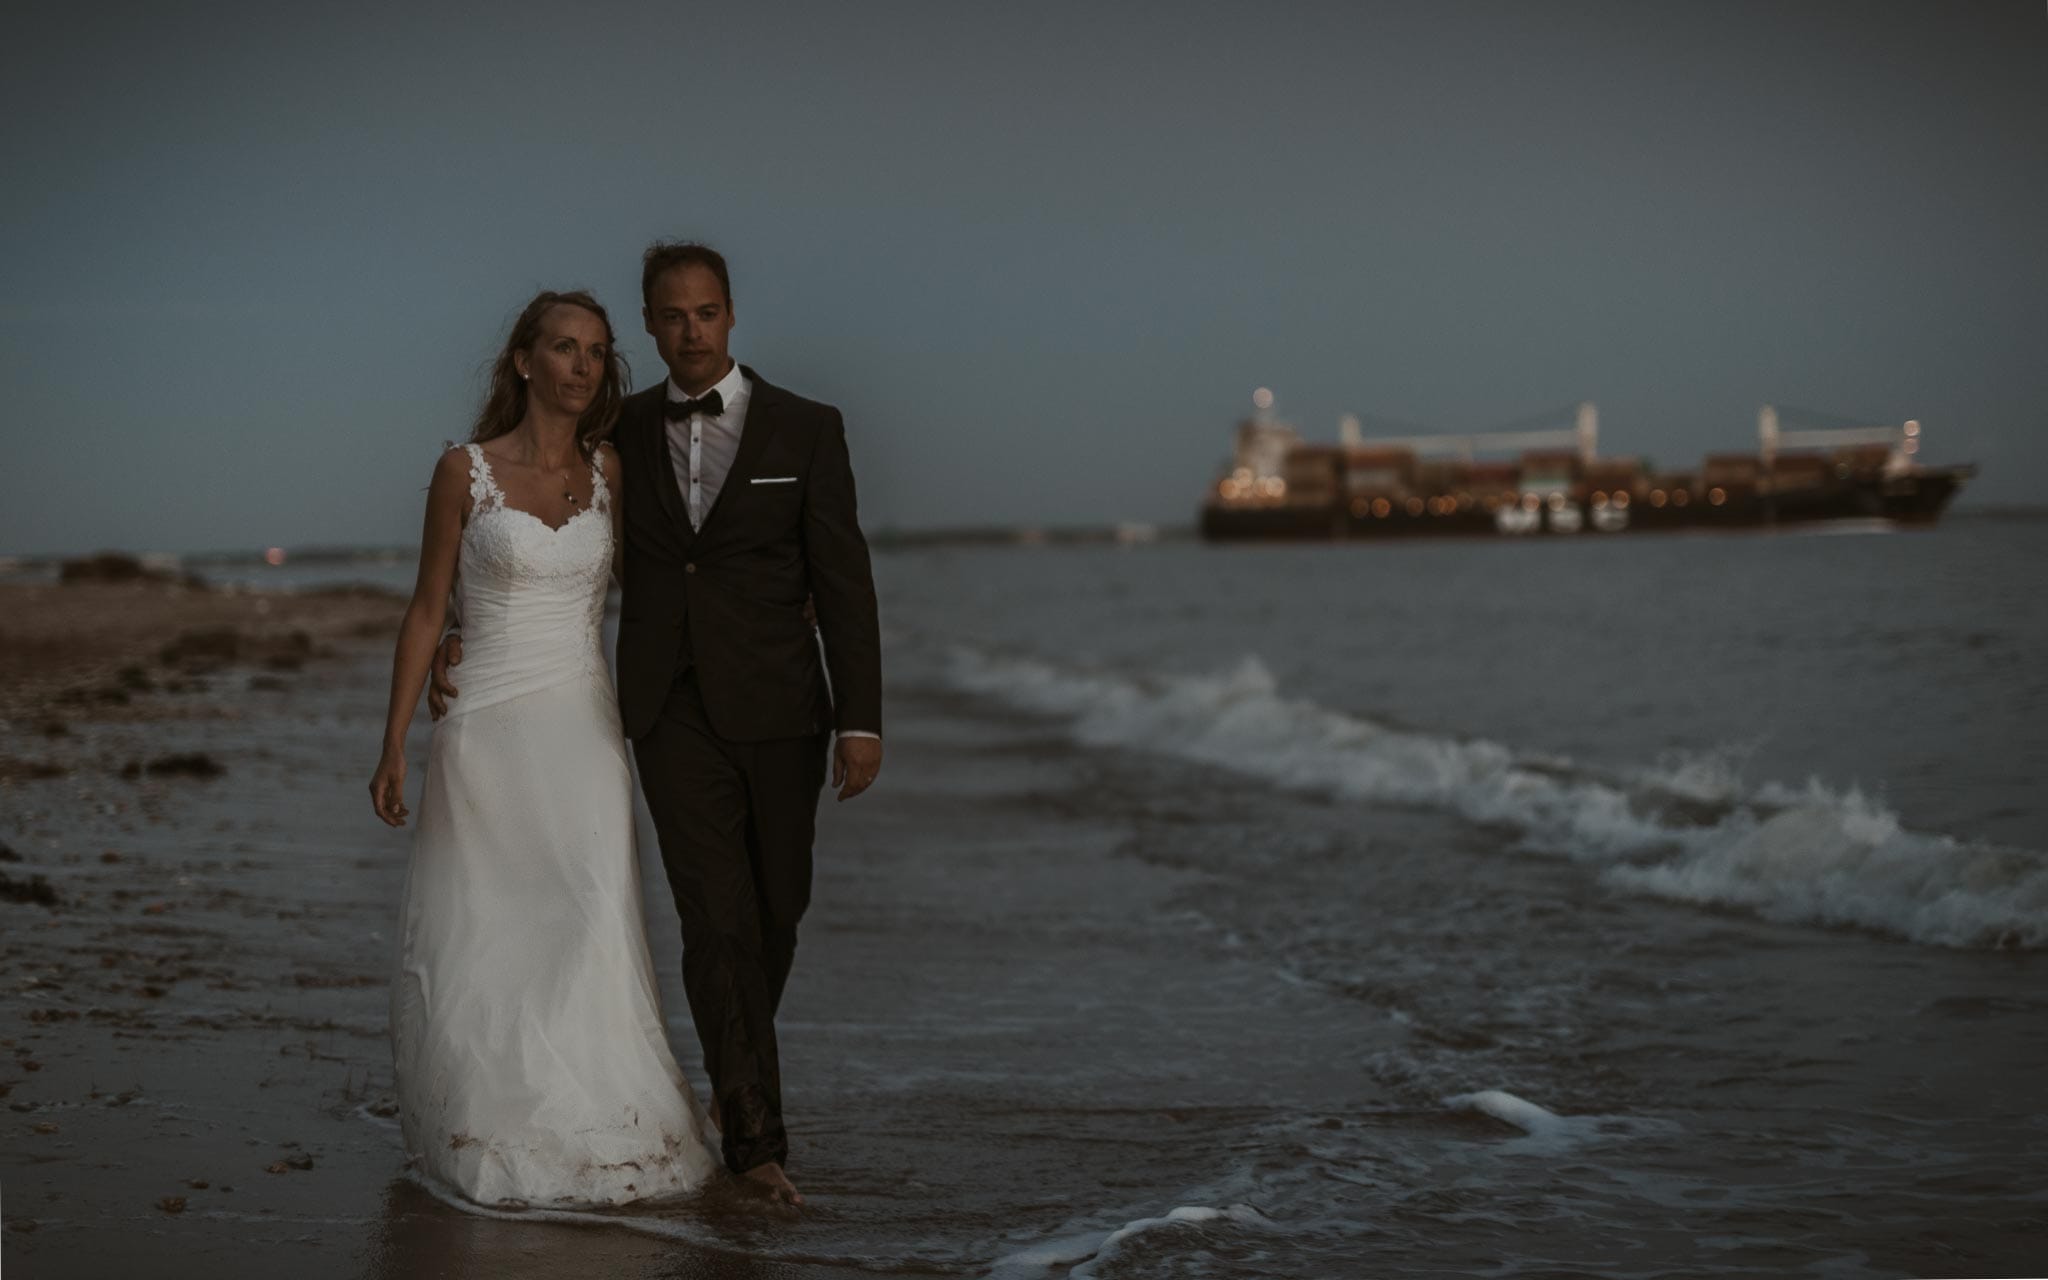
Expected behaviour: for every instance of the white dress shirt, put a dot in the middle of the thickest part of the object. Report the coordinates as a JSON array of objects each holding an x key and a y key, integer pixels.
[{"x": 702, "y": 448}]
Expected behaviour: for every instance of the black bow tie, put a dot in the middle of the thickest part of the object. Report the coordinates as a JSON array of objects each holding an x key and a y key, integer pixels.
[{"x": 710, "y": 404}]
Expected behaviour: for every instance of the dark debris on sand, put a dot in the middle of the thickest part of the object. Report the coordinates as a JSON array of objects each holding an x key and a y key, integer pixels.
[
  {"x": 114, "y": 566},
  {"x": 210, "y": 648},
  {"x": 15, "y": 769},
  {"x": 184, "y": 764},
  {"x": 35, "y": 891},
  {"x": 118, "y": 639}
]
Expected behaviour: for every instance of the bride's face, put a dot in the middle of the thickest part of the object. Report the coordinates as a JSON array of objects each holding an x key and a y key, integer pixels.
[{"x": 565, "y": 365}]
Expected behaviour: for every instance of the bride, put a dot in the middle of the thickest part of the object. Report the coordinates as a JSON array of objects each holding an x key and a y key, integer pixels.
[{"x": 533, "y": 1066}]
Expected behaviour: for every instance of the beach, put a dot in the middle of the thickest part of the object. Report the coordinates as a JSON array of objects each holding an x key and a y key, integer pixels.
[
  {"x": 1189, "y": 932},
  {"x": 201, "y": 1077}
]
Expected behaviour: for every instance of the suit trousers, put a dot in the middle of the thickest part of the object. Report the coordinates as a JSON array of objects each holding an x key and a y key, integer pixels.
[{"x": 735, "y": 821}]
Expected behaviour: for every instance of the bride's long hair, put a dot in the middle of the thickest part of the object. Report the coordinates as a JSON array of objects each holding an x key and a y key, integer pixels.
[{"x": 505, "y": 404}]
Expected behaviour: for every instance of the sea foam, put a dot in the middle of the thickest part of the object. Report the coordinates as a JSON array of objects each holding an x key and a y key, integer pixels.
[
  {"x": 1689, "y": 831},
  {"x": 1548, "y": 1133},
  {"x": 1084, "y": 1253}
]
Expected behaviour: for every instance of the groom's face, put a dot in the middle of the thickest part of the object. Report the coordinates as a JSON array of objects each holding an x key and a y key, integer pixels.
[{"x": 690, "y": 320}]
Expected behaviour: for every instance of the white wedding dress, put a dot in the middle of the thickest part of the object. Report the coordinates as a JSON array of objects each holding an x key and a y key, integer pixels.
[{"x": 533, "y": 1066}]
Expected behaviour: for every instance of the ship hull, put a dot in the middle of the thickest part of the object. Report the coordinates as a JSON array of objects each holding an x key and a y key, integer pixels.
[{"x": 1915, "y": 500}]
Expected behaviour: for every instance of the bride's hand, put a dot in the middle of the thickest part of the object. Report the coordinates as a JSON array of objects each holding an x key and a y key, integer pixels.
[{"x": 387, "y": 789}]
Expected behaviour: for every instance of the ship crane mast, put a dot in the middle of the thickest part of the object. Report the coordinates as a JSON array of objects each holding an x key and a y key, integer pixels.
[
  {"x": 1583, "y": 436},
  {"x": 1904, "y": 439}
]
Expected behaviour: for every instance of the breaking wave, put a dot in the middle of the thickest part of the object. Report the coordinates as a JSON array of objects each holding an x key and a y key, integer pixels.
[{"x": 1689, "y": 832}]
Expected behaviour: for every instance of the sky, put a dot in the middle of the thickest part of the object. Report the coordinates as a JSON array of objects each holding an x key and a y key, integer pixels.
[{"x": 256, "y": 259}]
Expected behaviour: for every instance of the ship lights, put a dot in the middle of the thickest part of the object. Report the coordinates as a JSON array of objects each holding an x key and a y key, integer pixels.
[
  {"x": 1531, "y": 502},
  {"x": 1242, "y": 484},
  {"x": 1381, "y": 508},
  {"x": 1679, "y": 497},
  {"x": 1414, "y": 506},
  {"x": 1621, "y": 500},
  {"x": 1600, "y": 498},
  {"x": 1557, "y": 502},
  {"x": 1656, "y": 497},
  {"x": 1717, "y": 495}
]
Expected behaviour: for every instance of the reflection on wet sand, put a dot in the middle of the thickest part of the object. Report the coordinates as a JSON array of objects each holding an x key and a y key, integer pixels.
[{"x": 419, "y": 1236}]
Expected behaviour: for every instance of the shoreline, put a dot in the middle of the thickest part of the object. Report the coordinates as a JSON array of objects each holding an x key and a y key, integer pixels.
[
  {"x": 1062, "y": 995},
  {"x": 196, "y": 1060}
]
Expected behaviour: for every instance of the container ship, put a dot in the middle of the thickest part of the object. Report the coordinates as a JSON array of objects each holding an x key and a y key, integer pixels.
[{"x": 1534, "y": 483}]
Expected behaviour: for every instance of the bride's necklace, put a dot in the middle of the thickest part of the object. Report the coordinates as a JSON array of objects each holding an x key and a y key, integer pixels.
[{"x": 568, "y": 490}]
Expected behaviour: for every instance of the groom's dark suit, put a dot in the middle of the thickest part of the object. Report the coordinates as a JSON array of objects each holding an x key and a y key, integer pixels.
[{"x": 722, "y": 692}]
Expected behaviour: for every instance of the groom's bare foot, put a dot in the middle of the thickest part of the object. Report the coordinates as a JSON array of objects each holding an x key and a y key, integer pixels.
[{"x": 776, "y": 1182}]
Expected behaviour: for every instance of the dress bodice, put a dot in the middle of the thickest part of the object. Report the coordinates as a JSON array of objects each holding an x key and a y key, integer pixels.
[{"x": 530, "y": 595}]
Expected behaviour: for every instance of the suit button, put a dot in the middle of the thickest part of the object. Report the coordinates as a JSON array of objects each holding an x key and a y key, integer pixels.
[{"x": 690, "y": 568}]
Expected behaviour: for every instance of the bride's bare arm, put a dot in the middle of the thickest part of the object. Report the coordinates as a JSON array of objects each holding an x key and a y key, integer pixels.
[{"x": 420, "y": 632}]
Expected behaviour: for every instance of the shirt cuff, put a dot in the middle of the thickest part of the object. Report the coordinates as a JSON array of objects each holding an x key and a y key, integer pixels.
[{"x": 859, "y": 733}]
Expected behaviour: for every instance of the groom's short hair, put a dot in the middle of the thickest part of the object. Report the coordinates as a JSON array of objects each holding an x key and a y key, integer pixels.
[{"x": 666, "y": 255}]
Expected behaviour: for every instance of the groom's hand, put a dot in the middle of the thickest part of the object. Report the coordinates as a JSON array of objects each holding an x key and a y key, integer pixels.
[
  {"x": 855, "y": 762},
  {"x": 439, "y": 687}
]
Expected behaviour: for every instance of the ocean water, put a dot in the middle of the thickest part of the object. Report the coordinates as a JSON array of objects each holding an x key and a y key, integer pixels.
[
  {"x": 1638, "y": 907},
  {"x": 1646, "y": 906}
]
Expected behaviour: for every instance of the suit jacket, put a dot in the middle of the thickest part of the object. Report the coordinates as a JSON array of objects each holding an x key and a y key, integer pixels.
[{"x": 729, "y": 597}]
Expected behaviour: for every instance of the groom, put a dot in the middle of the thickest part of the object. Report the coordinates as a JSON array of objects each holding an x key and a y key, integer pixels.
[{"x": 738, "y": 506}]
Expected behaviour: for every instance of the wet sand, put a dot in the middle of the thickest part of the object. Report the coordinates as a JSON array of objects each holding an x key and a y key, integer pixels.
[
  {"x": 1062, "y": 1007},
  {"x": 982, "y": 1053}
]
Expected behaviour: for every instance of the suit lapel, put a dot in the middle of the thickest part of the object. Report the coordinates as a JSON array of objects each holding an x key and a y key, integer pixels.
[
  {"x": 764, "y": 415},
  {"x": 671, "y": 494}
]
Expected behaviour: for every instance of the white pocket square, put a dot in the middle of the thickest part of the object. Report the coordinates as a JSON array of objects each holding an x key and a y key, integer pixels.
[{"x": 773, "y": 480}]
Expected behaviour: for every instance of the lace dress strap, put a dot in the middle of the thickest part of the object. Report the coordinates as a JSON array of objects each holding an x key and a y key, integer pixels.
[
  {"x": 483, "y": 486},
  {"x": 600, "y": 494}
]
